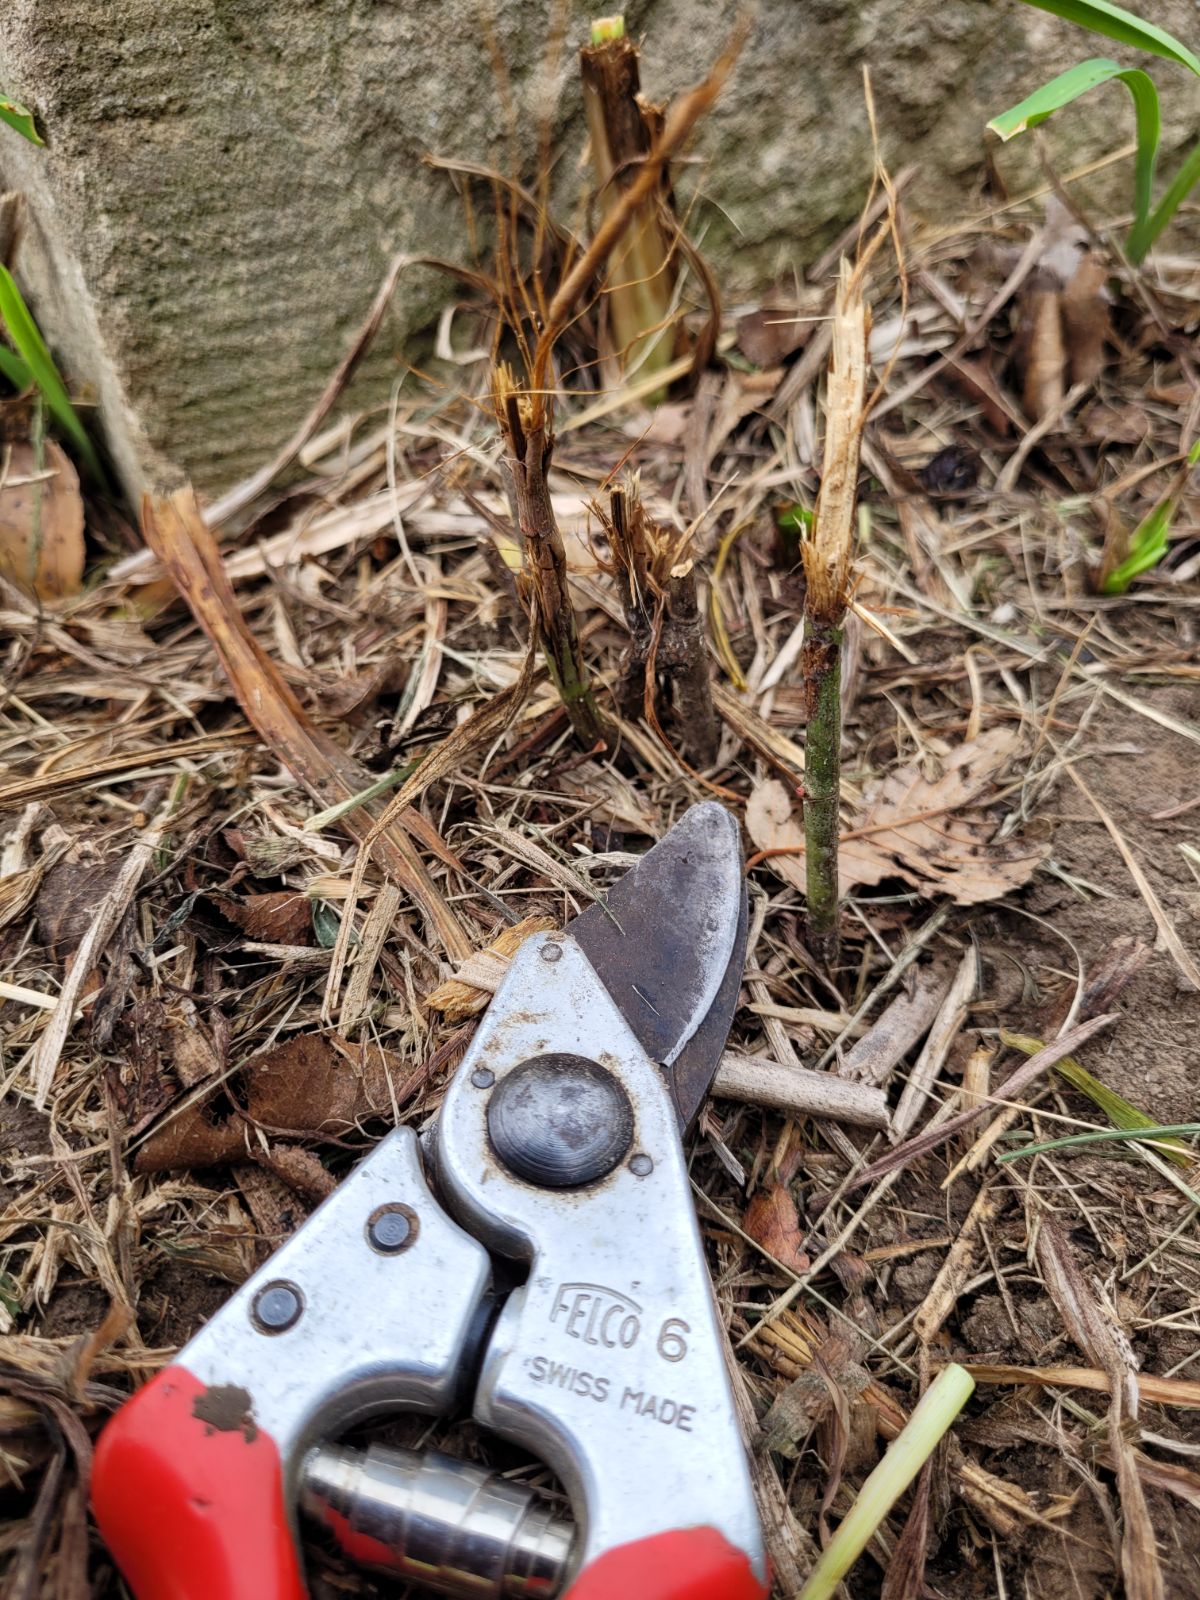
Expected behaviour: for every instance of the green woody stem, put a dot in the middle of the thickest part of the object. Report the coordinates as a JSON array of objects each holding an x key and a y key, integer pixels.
[{"x": 822, "y": 669}]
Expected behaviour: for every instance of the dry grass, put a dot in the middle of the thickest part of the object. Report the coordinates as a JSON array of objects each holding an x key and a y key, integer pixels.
[{"x": 148, "y": 795}]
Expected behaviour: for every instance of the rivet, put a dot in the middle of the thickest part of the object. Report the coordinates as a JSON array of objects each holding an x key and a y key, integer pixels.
[
  {"x": 641, "y": 1165},
  {"x": 551, "y": 952},
  {"x": 391, "y": 1228},
  {"x": 277, "y": 1307},
  {"x": 483, "y": 1077}
]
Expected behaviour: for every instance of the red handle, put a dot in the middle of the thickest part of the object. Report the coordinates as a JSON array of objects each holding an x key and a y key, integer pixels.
[
  {"x": 188, "y": 1494},
  {"x": 693, "y": 1564}
]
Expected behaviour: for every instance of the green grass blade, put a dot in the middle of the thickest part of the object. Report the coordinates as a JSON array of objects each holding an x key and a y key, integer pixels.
[
  {"x": 1123, "y": 26},
  {"x": 1184, "y": 182},
  {"x": 1120, "y": 1112},
  {"x": 1080, "y": 80},
  {"x": 1151, "y": 1134},
  {"x": 1148, "y": 543},
  {"x": 20, "y": 118},
  {"x": 15, "y": 370},
  {"x": 31, "y": 348},
  {"x": 899, "y": 1465}
]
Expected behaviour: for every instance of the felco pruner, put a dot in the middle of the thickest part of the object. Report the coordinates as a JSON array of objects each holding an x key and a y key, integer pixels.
[{"x": 557, "y": 1148}]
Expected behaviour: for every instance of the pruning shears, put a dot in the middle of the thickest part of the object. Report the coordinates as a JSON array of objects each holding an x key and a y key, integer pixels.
[{"x": 557, "y": 1153}]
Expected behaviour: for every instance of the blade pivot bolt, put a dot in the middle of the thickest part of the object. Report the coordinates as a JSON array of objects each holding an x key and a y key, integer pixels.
[
  {"x": 560, "y": 1121},
  {"x": 277, "y": 1307}
]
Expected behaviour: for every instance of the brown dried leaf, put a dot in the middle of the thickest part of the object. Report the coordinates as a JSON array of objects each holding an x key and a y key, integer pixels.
[
  {"x": 41, "y": 522},
  {"x": 932, "y": 833},
  {"x": 973, "y": 375},
  {"x": 318, "y": 1082},
  {"x": 309, "y": 1085},
  {"x": 67, "y": 901},
  {"x": 19, "y": 889},
  {"x": 190, "y": 1139},
  {"x": 743, "y": 394},
  {"x": 771, "y": 1221},
  {"x": 1085, "y": 320},
  {"x": 279, "y": 918},
  {"x": 1043, "y": 353}
]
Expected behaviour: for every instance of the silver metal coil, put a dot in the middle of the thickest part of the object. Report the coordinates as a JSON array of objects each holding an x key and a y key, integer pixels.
[{"x": 446, "y": 1525}]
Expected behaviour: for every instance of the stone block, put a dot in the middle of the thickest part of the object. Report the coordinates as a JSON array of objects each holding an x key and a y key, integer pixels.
[{"x": 225, "y": 181}]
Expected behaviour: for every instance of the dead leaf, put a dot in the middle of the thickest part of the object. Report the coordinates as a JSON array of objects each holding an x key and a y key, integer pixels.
[
  {"x": 771, "y": 333},
  {"x": 41, "y": 522},
  {"x": 319, "y": 1082},
  {"x": 934, "y": 833},
  {"x": 772, "y": 1222},
  {"x": 1043, "y": 354},
  {"x": 1085, "y": 320},
  {"x": 310, "y": 1085},
  {"x": 67, "y": 900},
  {"x": 279, "y": 918},
  {"x": 743, "y": 394},
  {"x": 191, "y": 1139},
  {"x": 19, "y": 889},
  {"x": 973, "y": 375}
]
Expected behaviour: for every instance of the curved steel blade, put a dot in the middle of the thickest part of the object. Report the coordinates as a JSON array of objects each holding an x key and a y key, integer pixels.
[{"x": 669, "y": 944}]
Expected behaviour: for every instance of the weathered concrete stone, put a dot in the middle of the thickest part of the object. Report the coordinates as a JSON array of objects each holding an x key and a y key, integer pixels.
[{"x": 226, "y": 180}]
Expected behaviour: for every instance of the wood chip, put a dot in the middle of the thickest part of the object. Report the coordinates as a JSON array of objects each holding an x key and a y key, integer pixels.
[
  {"x": 942, "y": 1034},
  {"x": 906, "y": 1020},
  {"x": 764, "y": 1082},
  {"x": 1094, "y": 1327},
  {"x": 960, "y": 1261}
]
